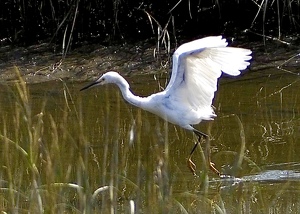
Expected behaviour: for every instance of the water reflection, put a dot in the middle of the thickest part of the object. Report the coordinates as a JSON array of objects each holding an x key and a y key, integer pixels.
[{"x": 136, "y": 158}]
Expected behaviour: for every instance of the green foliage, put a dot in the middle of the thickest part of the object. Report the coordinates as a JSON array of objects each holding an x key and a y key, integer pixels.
[{"x": 95, "y": 154}]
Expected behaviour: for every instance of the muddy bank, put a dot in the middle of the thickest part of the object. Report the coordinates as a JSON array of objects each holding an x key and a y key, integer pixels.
[{"x": 40, "y": 63}]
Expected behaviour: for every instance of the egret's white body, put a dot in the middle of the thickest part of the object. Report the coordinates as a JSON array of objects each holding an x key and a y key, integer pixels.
[
  {"x": 197, "y": 65},
  {"x": 187, "y": 99}
]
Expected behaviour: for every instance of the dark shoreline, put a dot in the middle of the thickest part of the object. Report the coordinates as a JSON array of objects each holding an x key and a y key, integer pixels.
[{"x": 39, "y": 64}]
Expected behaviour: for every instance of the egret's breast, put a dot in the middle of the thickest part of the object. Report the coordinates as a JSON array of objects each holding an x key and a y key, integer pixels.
[{"x": 172, "y": 110}]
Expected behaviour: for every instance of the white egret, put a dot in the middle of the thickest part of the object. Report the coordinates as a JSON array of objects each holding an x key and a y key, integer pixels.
[{"x": 187, "y": 99}]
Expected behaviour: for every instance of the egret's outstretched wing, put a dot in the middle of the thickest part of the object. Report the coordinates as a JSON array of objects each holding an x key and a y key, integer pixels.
[{"x": 197, "y": 66}]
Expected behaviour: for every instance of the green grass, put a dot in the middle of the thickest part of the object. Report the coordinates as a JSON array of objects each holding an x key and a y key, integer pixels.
[
  {"x": 49, "y": 164},
  {"x": 67, "y": 154}
]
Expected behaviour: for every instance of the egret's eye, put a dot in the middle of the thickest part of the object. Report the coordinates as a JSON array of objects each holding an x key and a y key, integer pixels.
[{"x": 103, "y": 79}]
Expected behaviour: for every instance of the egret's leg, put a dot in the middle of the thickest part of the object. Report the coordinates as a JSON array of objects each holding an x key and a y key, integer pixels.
[{"x": 191, "y": 164}]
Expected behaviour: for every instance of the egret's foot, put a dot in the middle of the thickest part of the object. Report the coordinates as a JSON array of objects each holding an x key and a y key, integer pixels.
[
  {"x": 213, "y": 168},
  {"x": 192, "y": 166}
]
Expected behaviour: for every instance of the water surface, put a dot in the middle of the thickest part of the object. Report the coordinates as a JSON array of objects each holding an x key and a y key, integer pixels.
[{"x": 141, "y": 160}]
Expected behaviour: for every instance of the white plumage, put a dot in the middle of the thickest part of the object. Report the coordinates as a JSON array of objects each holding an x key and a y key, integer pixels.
[{"x": 187, "y": 99}]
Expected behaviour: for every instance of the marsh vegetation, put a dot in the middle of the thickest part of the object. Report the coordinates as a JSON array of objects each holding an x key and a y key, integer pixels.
[
  {"x": 69, "y": 23},
  {"x": 64, "y": 151}
]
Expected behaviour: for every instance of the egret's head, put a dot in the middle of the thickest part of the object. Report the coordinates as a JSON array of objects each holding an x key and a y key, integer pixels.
[{"x": 109, "y": 77}]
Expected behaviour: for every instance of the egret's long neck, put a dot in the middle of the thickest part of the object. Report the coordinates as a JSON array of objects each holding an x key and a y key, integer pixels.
[{"x": 128, "y": 95}]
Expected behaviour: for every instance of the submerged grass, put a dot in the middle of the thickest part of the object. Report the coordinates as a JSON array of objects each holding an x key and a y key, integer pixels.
[
  {"x": 69, "y": 160},
  {"x": 49, "y": 164}
]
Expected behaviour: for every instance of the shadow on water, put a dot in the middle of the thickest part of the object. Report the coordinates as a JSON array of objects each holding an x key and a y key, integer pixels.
[{"x": 65, "y": 150}]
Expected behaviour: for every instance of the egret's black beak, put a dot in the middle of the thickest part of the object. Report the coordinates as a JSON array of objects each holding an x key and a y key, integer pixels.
[{"x": 88, "y": 86}]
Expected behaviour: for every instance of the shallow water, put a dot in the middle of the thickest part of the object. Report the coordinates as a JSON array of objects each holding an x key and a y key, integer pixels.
[{"x": 107, "y": 142}]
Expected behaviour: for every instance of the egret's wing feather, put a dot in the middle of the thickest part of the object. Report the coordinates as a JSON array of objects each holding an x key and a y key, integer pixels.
[
  {"x": 232, "y": 60},
  {"x": 197, "y": 68},
  {"x": 188, "y": 49}
]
